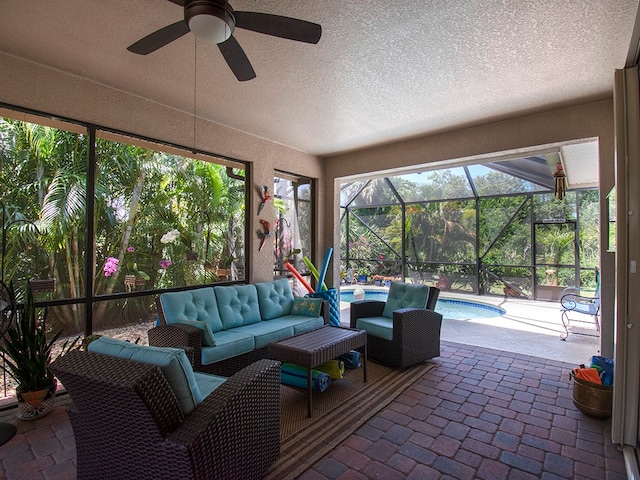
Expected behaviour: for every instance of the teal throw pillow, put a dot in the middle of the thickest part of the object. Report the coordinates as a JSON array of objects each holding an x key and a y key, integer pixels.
[
  {"x": 306, "y": 306},
  {"x": 207, "y": 334}
]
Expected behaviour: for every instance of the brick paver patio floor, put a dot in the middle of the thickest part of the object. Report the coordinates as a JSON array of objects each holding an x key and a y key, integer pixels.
[{"x": 479, "y": 414}]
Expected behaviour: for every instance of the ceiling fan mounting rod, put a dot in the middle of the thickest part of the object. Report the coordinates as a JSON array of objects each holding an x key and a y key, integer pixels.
[{"x": 210, "y": 20}]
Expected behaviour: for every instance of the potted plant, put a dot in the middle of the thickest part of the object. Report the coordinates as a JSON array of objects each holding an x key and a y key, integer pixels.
[
  {"x": 41, "y": 286},
  {"x": 28, "y": 353},
  {"x": 134, "y": 277}
]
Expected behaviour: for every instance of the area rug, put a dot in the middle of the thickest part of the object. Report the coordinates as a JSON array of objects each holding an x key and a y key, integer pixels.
[{"x": 337, "y": 412}]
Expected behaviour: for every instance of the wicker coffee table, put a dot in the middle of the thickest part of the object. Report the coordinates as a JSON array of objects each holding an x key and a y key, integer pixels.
[{"x": 318, "y": 346}]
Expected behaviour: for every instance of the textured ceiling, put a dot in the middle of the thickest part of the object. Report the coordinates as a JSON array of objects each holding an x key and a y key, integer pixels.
[{"x": 383, "y": 70}]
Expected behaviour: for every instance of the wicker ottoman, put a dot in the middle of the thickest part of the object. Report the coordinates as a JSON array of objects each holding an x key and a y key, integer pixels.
[{"x": 318, "y": 346}]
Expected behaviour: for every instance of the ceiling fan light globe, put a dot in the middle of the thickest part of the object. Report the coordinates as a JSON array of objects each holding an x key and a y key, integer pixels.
[{"x": 210, "y": 28}]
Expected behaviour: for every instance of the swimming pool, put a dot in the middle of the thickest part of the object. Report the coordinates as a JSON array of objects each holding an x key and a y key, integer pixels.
[{"x": 447, "y": 307}]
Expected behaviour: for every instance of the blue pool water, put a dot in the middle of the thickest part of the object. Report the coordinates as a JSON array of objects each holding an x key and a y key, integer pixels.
[{"x": 447, "y": 307}]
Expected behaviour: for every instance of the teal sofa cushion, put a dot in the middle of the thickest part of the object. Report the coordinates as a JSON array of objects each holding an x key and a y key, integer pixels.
[
  {"x": 237, "y": 305},
  {"x": 199, "y": 304},
  {"x": 172, "y": 361},
  {"x": 303, "y": 323},
  {"x": 309, "y": 307},
  {"x": 274, "y": 298},
  {"x": 381, "y": 327},
  {"x": 405, "y": 295},
  {"x": 229, "y": 343},
  {"x": 208, "y": 339},
  {"x": 300, "y": 323},
  {"x": 270, "y": 331}
]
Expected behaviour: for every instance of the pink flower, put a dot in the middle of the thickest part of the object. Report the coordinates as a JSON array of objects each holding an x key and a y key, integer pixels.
[
  {"x": 165, "y": 263},
  {"x": 131, "y": 249},
  {"x": 110, "y": 266}
]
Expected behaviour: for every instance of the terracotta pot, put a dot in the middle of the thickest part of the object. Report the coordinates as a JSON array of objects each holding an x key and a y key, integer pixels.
[{"x": 34, "y": 404}]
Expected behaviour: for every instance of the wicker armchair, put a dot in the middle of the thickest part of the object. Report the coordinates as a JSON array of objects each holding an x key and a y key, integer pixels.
[
  {"x": 408, "y": 336},
  {"x": 127, "y": 422}
]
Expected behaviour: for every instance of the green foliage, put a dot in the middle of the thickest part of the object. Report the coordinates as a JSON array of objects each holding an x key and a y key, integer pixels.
[
  {"x": 139, "y": 195},
  {"x": 27, "y": 349},
  {"x": 440, "y": 235},
  {"x": 505, "y": 236},
  {"x": 441, "y": 232}
]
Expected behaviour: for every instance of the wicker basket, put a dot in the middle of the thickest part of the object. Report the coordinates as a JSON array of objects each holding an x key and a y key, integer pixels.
[{"x": 592, "y": 399}]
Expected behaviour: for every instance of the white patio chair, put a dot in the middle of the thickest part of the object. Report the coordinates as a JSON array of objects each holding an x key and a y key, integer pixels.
[{"x": 572, "y": 301}]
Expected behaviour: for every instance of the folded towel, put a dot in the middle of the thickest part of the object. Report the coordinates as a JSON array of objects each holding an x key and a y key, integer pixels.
[
  {"x": 335, "y": 369},
  {"x": 351, "y": 359},
  {"x": 296, "y": 376},
  {"x": 604, "y": 366},
  {"x": 588, "y": 375}
]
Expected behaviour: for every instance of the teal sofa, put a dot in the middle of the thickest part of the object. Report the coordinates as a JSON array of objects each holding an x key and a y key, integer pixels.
[{"x": 227, "y": 328}]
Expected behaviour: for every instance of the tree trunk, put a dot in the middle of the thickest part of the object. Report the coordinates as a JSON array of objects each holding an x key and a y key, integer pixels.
[{"x": 133, "y": 210}]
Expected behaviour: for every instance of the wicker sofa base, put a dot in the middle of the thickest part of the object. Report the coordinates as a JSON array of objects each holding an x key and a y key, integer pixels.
[
  {"x": 190, "y": 339},
  {"x": 231, "y": 366}
]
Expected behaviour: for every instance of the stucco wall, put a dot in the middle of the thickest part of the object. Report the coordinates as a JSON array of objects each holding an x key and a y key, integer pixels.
[
  {"x": 521, "y": 134},
  {"x": 32, "y": 86}
]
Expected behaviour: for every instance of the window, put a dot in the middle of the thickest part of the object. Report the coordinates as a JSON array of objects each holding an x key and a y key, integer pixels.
[
  {"x": 164, "y": 220},
  {"x": 293, "y": 202},
  {"x": 134, "y": 219},
  {"x": 493, "y": 228},
  {"x": 43, "y": 174}
]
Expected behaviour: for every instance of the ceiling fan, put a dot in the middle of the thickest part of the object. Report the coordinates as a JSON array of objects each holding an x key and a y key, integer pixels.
[{"x": 214, "y": 21}]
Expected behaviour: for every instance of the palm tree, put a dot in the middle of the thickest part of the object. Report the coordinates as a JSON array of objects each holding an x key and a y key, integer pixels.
[{"x": 140, "y": 194}]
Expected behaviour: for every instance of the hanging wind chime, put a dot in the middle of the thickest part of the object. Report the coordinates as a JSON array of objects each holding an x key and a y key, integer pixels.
[{"x": 561, "y": 181}]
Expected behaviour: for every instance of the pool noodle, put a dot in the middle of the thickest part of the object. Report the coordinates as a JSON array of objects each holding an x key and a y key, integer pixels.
[
  {"x": 325, "y": 266},
  {"x": 313, "y": 270},
  {"x": 295, "y": 272}
]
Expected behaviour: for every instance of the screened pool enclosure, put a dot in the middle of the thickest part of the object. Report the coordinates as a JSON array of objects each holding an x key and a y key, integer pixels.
[{"x": 493, "y": 228}]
